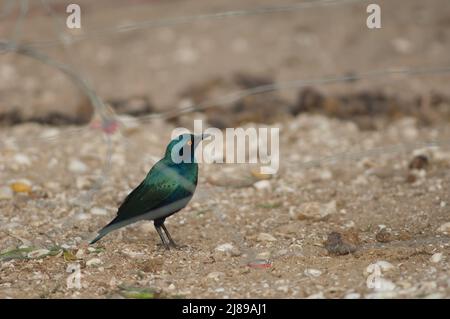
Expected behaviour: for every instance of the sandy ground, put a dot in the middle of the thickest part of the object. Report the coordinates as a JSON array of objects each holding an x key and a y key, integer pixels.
[
  {"x": 244, "y": 237},
  {"x": 299, "y": 208}
]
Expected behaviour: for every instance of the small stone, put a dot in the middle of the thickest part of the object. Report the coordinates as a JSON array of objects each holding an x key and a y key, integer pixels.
[
  {"x": 265, "y": 237},
  {"x": 6, "y": 193},
  {"x": 77, "y": 166},
  {"x": 225, "y": 247},
  {"x": 264, "y": 255},
  {"x": 215, "y": 275},
  {"x": 283, "y": 288},
  {"x": 312, "y": 272},
  {"x": 380, "y": 265},
  {"x": 38, "y": 253},
  {"x": 341, "y": 243},
  {"x": 21, "y": 186},
  {"x": 256, "y": 173},
  {"x": 83, "y": 182},
  {"x": 98, "y": 211},
  {"x": 82, "y": 216},
  {"x": 419, "y": 162},
  {"x": 383, "y": 285},
  {"x": 262, "y": 185},
  {"x": 79, "y": 254},
  {"x": 316, "y": 211},
  {"x": 444, "y": 228},
  {"x": 437, "y": 257},
  {"x": 384, "y": 236},
  {"x": 352, "y": 295},
  {"x": 94, "y": 262},
  {"x": 171, "y": 287},
  {"x": 235, "y": 252},
  {"x": 360, "y": 180},
  {"x": 22, "y": 159},
  {"x": 443, "y": 204}
]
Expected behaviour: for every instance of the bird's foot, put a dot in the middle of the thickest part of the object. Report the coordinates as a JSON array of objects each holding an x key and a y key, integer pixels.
[{"x": 163, "y": 246}]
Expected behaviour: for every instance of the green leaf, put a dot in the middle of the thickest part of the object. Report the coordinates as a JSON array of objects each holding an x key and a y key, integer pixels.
[
  {"x": 69, "y": 256},
  {"x": 138, "y": 293},
  {"x": 18, "y": 253}
]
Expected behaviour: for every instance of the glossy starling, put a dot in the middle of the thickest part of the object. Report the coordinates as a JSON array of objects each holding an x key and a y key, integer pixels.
[{"x": 167, "y": 188}]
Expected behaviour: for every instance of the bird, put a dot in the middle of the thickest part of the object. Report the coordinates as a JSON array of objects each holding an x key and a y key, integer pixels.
[{"x": 168, "y": 187}]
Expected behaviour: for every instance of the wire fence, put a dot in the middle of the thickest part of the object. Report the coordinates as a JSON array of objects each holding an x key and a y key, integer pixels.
[{"x": 35, "y": 50}]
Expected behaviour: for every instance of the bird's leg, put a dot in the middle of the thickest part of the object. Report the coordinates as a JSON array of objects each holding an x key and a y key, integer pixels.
[
  {"x": 171, "y": 241},
  {"x": 163, "y": 239}
]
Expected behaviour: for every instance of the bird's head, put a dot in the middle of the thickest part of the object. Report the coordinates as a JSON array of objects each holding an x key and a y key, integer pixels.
[{"x": 182, "y": 148}]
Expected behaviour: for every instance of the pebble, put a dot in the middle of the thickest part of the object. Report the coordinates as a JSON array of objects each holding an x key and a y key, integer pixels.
[
  {"x": 77, "y": 166},
  {"x": 215, "y": 275},
  {"x": 380, "y": 264},
  {"x": 22, "y": 159},
  {"x": 263, "y": 185},
  {"x": 264, "y": 255},
  {"x": 260, "y": 176},
  {"x": 419, "y": 162},
  {"x": 38, "y": 253},
  {"x": 316, "y": 210},
  {"x": 283, "y": 288},
  {"x": 82, "y": 216},
  {"x": 312, "y": 272},
  {"x": 82, "y": 182},
  {"x": 437, "y": 257},
  {"x": 444, "y": 228},
  {"x": 79, "y": 254},
  {"x": 384, "y": 235},
  {"x": 265, "y": 237},
  {"x": 225, "y": 247},
  {"x": 6, "y": 193},
  {"x": 383, "y": 285},
  {"x": 98, "y": 211},
  {"x": 21, "y": 186},
  {"x": 341, "y": 243},
  {"x": 93, "y": 262},
  {"x": 352, "y": 295}
]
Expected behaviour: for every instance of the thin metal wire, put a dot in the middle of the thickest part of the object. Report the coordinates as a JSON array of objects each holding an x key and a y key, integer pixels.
[{"x": 167, "y": 22}]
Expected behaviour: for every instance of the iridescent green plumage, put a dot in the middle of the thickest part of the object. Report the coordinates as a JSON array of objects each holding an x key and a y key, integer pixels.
[{"x": 166, "y": 189}]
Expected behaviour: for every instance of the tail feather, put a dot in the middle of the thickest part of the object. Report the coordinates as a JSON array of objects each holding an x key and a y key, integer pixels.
[
  {"x": 96, "y": 239},
  {"x": 105, "y": 231},
  {"x": 116, "y": 223}
]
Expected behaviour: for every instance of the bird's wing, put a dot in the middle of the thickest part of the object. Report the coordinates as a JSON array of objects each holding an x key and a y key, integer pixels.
[{"x": 158, "y": 186}]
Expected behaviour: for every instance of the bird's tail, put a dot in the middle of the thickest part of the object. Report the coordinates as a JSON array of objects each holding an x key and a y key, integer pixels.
[
  {"x": 99, "y": 236},
  {"x": 105, "y": 231}
]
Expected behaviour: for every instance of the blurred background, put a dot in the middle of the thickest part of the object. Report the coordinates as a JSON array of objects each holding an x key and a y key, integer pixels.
[{"x": 145, "y": 56}]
